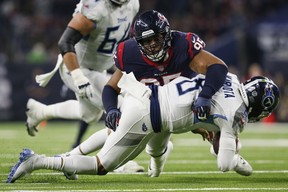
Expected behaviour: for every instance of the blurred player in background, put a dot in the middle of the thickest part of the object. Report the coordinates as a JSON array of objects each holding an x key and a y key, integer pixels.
[
  {"x": 233, "y": 106},
  {"x": 86, "y": 46}
]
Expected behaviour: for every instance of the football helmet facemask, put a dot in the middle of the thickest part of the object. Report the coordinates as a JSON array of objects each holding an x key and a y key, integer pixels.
[
  {"x": 262, "y": 97},
  {"x": 153, "y": 35}
]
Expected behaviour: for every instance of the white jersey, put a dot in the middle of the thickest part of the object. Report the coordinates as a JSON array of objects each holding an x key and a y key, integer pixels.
[
  {"x": 95, "y": 51},
  {"x": 227, "y": 111},
  {"x": 112, "y": 25},
  {"x": 228, "y": 114}
]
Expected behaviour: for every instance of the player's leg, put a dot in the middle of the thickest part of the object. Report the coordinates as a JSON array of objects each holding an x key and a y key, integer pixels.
[
  {"x": 83, "y": 127},
  {"x": 159, "y": 148},
  {"x": 129, "y": 139},
  {"x": 67, "y": 94},
  {"x": 228, "y": 159},
  {"x": 97, "y": 140},
  {"x": 37, "y": 112},
  {"x": 92, "y": 143},
  {"x": 124, "y": 144},
  {"x": 29, "y": 161}
]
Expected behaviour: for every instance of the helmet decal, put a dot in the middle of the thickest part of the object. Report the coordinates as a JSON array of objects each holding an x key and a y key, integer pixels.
[
  {"x": 141, "y": 23},
  {"x": 161, "y": 21},
  {"x": 268, "y": 98}
]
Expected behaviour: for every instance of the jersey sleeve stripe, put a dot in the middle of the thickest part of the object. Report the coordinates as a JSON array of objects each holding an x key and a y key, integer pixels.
[
  {"x": 188, "y": 37},
  {"x": 120, "y": 55}
]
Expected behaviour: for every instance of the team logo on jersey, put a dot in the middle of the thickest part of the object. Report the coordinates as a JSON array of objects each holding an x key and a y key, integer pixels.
[
  {"x": 120, "y": 20},
  {"x": 144, "y": 127}
]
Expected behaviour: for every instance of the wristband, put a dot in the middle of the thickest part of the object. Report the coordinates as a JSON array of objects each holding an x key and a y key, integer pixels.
[{"x": 76, "y": 74}]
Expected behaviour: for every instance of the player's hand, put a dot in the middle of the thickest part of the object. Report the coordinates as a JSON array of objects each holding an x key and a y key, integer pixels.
[
  {"x": 201, "y": 108},
  {"x": 84, "y": 88},
  {"x": 112, "y": 119},
  {"x": 206, "y": 135}
]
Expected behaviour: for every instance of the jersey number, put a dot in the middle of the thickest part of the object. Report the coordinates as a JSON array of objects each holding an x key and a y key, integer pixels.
[
  {"x": 186, "y": 86},
  {"x": 108, "y": 44},
  {"x": 156, "y": 81}
]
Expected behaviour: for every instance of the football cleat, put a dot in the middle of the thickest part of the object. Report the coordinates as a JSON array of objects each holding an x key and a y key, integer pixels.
[
  {"x": 23, "y": 166},
  {"x": 130, "y": 167},
  {"x": 156, "y": 164},
  {"x": 71, "y": 176},
  {"x": 242, "y": 167},
  {"x": 34, "y": 116}
]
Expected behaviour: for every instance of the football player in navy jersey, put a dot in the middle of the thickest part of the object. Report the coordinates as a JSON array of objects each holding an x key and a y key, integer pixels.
[{"x": 156, "y": 56}]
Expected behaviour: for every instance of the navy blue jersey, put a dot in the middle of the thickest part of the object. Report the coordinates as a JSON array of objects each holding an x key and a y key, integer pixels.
[{"x": 184, "y": 46}]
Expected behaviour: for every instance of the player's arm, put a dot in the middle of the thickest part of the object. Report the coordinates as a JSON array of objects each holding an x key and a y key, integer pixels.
[
  {"x": 78, "y": 27},
  {"x": 215, "y": 70},
  {"x": 203, "y": 60},
  {"x": 110, "y": 100},
  {"x": 111, "y": 91}
]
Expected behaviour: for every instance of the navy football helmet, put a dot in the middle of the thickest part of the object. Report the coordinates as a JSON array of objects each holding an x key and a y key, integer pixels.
[
  {"x": 153, "y": 35},
  {"x": 119, "y": 2},
  {"x": 263, "y": 96}
]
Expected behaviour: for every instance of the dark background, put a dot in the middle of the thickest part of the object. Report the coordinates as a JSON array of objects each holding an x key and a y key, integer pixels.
[{"x": 250, "y": 36}]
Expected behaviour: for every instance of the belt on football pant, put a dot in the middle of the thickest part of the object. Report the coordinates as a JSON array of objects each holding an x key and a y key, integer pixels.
[{"x": 155, "y": 113}]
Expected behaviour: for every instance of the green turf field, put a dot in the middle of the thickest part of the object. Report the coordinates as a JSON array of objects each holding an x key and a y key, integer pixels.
[{"x": 189, "y": 168}]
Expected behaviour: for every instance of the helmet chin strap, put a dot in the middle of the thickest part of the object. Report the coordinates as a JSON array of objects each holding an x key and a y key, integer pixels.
[{"x": 244, "y": 94}]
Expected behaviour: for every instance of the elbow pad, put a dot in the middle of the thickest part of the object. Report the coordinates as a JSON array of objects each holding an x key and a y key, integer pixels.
[{"x": 68, "y": 40}]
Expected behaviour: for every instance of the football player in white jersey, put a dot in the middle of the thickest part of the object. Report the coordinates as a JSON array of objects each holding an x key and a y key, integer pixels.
[
  {"x": 86, "y": 46},
  {"x": 233, "y": 106}
]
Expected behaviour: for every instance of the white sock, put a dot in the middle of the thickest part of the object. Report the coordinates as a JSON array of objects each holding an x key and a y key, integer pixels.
[
  {"x": 93, "y": 143},
  {"x": 66, "y": 110},
  {"x": 72, "y": 164},
  {"x": 80, "y": 164},
  {"x": 43, "y": 162}
]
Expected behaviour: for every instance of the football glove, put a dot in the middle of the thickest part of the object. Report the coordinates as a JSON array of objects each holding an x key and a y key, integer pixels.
[
  {"x": 84, "y": 88},
  {"x": 201, "y": 108},
  {"x": 112, "y": 119}
]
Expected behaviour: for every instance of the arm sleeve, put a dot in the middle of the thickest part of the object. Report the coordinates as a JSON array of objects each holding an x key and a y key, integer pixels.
[
  {"x": 214, "y": 80},
  {"x": 109, "y": 98}
]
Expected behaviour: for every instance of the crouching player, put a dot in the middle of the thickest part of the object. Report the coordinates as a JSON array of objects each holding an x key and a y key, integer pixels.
[{"x": 151, "y": 114}]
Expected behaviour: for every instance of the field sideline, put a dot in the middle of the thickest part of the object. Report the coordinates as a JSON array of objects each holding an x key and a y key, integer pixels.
[{"x": 189, "y": 168}]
